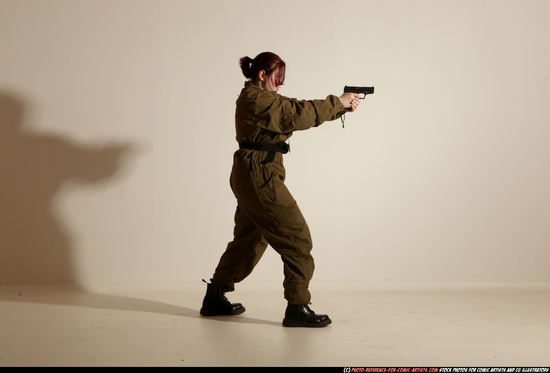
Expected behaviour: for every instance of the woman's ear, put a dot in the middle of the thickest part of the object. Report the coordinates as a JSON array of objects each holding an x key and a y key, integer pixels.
[{"x": 261, "y": 75}]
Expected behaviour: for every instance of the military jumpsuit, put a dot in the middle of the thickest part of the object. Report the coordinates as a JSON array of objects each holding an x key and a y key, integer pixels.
[{"x": 266, "y": 211}]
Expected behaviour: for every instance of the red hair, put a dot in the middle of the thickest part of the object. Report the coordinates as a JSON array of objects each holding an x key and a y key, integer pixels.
[{"x": 267, "y": 61}]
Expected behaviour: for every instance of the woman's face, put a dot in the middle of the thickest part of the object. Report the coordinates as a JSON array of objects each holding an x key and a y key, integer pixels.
[{"x": 268, "y": 82}]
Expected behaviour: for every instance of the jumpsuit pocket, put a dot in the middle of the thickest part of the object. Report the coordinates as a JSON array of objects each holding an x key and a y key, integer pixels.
[
  {"x": 264, "y": 183},
  {"x": 275, "y": 191}
]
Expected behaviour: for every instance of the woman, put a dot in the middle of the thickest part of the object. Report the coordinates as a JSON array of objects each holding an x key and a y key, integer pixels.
[{"x": 266, "y": 211}]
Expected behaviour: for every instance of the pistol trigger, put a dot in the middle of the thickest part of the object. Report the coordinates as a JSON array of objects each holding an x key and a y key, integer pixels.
[{"x": 364, "y": 95}]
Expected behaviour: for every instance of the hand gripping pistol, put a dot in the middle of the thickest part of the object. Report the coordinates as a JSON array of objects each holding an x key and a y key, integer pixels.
[{"x": 364, "y": 90}]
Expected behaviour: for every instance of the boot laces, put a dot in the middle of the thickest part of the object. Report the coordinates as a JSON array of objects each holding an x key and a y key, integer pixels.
[
  {"x": 222, "y": 294},
  {"x": 220, "y": 291}
]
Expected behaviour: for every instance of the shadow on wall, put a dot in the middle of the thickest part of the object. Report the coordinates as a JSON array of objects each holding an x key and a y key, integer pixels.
[{"x": 34, "y": 247}]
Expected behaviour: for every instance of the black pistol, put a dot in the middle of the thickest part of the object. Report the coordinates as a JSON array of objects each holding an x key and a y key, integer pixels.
[{"x": 364, "y": 90}]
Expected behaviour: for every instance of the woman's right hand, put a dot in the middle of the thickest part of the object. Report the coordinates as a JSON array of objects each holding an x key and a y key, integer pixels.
[{"x": 350, "y": 101}]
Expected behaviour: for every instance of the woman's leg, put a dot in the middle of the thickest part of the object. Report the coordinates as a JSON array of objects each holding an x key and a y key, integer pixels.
[
  {"x": 288, "y": 233},
  {"x": 241, "y": 255},
  {"x": 268, "y": 203}
]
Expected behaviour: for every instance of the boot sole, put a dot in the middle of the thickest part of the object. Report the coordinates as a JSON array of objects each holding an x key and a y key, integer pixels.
[
  {"x": 303, "y": 324},
  {"x": 209, "y": 312}
]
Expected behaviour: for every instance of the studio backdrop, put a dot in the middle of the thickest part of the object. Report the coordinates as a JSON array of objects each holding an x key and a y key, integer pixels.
[{"x": 117, "y": 138}]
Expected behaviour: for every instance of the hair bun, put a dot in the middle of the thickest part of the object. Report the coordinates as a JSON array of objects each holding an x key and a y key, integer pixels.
[
  {"x": 267, "y": 61},
  {"x": 246, "y": 66}
]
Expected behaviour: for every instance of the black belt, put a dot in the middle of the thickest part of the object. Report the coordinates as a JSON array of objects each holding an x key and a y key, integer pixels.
[{"x": 279, "y": 147}]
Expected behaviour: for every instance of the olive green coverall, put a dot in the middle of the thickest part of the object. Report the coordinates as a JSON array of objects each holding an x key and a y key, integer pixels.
[{"x": 266, "y": 211}]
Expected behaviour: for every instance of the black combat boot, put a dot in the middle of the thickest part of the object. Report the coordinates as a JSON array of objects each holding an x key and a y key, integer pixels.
[
  {"x": 215, "y": 303},
  {"x": 302, "y": 315}
]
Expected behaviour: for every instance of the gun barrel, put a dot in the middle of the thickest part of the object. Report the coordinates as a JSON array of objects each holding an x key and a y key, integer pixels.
[
  {"x": 367, "y": 90},
  {"x": 364, "y": 90}
]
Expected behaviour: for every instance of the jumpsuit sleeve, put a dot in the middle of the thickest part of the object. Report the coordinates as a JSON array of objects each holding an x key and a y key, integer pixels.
[{"x": 281, "y": 114}]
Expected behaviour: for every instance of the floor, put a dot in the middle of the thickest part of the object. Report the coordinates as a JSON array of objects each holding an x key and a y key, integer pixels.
[{"x": 372, "y": 327}]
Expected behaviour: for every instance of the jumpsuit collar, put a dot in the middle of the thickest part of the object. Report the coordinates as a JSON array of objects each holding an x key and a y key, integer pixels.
[{"x": 249, "y": 84}]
